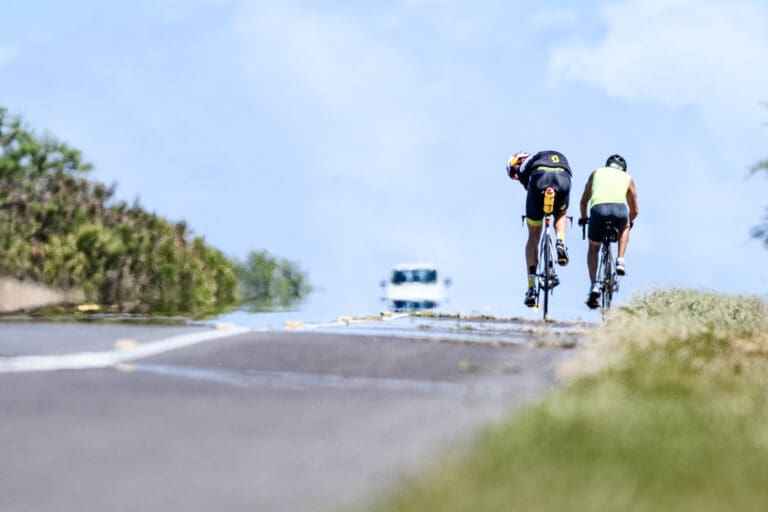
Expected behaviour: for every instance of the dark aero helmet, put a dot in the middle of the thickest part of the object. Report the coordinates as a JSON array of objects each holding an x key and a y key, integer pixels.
[{"x": 616, "y": 161}]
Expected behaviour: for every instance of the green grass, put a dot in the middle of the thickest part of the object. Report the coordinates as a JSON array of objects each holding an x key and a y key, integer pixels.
[{"x": 666, "y": 409}]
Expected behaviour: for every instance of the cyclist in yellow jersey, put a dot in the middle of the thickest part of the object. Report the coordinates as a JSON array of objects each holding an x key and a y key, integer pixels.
[{"x": 610, "y": 194}]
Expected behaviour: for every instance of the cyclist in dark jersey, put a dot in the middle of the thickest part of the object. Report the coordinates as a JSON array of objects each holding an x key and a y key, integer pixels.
[{"x": 537, "y": 172}]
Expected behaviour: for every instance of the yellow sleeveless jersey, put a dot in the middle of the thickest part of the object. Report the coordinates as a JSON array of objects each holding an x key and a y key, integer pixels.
[{"x": 609, "y": 185}]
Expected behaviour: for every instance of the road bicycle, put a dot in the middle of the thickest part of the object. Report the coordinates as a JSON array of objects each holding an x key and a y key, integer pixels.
[
  {"x": 546, "y": 271},
  {"x": 607, "y": 278}
]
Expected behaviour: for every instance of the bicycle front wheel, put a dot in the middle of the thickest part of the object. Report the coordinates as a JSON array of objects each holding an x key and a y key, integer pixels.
[{"x": 608, "y": 278}]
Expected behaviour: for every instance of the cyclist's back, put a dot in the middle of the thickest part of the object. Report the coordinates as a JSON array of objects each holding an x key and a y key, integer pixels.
[
  {"x": 545, "y": 169},
  {"x": 542, "y": 170},
  {"x": 609, "y": 186},
  {"x": 608, "y": 201},
  {"x": 543, "y": 161}
]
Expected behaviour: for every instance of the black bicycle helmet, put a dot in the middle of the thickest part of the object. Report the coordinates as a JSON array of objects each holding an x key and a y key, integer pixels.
[{"x": 616, "y": 161}]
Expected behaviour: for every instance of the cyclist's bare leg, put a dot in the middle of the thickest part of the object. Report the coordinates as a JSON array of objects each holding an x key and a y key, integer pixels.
[
  {"x": 592, "y": 253},
  {"x": 532, "y": 246},
  {"x": 623, "y": 241},
  {"x": 561, "y": 223}
]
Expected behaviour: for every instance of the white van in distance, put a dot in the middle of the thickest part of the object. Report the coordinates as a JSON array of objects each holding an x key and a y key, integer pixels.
[{"x": 414, "y": 286}]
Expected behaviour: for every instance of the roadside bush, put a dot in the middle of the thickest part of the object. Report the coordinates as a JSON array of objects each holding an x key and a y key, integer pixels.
[{"x": 62, "y": 230}]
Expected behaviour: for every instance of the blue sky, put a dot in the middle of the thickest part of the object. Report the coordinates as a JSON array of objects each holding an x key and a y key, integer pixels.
[{"x": 351, "y": 136}]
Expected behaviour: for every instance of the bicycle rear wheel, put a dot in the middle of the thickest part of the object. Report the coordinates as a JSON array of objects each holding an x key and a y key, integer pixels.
[{"x": 545, "y": 283}]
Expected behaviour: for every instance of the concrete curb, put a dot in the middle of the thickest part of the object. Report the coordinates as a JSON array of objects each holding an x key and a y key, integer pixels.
[{"x": 17, "y": 295}]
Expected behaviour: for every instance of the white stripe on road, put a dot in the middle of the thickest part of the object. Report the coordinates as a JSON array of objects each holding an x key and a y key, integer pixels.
[
  {"x": 294, "y": 381},
  {"x": 86, "y": 360}
]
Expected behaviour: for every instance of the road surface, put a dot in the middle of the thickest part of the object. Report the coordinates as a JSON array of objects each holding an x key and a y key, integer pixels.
[{"x": 124, "y": 417}]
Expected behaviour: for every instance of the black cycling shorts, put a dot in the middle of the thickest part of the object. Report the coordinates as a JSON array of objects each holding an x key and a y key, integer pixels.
[
  {"x": 616, "y": 212},
  {"x": 538, "y": 183}
]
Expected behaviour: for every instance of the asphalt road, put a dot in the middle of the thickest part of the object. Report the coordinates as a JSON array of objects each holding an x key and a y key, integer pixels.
[{"x": 125, "y": 417}]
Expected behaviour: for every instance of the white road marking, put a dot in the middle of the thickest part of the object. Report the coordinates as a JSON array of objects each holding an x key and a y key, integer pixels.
[
  {"x": 342, "y": 321},
  {"x": 86, "y": 360},
  {"x": 307, "y": 381}
]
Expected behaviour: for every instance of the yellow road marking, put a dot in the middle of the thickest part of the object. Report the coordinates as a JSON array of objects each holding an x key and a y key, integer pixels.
[{"x": 125, "y": 344}]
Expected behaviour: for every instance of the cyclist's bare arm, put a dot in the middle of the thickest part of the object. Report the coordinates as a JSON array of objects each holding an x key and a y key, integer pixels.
[
  {"x": 586, "y": 196},
  {"x": 632, "y": 200}
]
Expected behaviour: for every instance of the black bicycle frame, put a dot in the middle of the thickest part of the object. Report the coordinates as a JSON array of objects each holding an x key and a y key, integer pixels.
[{"x": 606, "y": 272}]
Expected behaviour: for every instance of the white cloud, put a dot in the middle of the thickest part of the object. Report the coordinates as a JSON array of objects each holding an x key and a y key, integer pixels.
[
  {"x": 707, "y": 53},
  {"x": 8, "y": 53},
  {"x": 366, "y": 100},
  {"x": 553, "y": 19}
]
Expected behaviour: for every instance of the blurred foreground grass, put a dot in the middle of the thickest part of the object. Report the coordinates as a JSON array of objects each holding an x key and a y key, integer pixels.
[{"x": 665, "y": 410}]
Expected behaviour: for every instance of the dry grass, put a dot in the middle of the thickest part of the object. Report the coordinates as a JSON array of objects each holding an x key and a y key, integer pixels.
[{"x": 665, "y": 410}]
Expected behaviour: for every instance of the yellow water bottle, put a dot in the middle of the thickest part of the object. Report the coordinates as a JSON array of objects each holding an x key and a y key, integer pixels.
[{"x": 549, "y": 200}]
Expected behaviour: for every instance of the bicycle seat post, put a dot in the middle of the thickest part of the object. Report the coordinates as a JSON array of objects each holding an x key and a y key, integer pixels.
[{"x": 611, "y": 233}]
